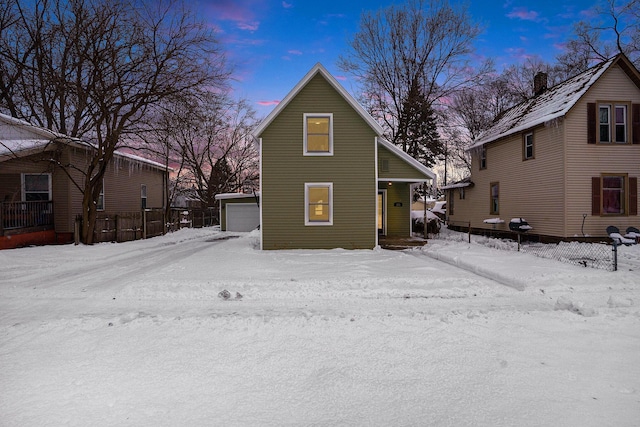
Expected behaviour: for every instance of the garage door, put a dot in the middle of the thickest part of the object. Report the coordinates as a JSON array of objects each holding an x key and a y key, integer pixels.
[{"x": 242, "y": 216}]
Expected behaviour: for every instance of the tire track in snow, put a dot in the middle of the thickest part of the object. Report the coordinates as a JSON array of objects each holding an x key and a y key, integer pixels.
[{"x": 111, "y": 270}]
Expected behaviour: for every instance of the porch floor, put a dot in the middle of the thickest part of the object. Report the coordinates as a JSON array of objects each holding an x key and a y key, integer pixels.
[{"x": 400, "y": 243}]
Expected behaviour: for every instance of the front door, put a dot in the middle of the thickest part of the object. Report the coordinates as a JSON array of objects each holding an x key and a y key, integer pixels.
[{"x": 382, "y": 217}]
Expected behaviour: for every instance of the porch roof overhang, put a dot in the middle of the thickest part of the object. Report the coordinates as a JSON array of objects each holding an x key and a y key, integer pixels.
[{"x": 427, "y": 174}]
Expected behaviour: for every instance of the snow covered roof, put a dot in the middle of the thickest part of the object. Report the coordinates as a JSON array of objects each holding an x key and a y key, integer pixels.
[
  {"x": 225, "y": 196},
  {"x": 20, "y": 138},
  {"x": 466, "y": 182},
  {"x": 555, "y": 102}
]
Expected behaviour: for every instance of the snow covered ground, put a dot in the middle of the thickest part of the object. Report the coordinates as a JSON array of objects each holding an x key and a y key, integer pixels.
[{"x": 453, "y": 334}]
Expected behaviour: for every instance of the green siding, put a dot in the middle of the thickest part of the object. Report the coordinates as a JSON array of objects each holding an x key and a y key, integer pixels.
[
  {"x": 398, "y": 168},
  {"x": 398, "y": 207},
  {"x": 351, "y": 170}
]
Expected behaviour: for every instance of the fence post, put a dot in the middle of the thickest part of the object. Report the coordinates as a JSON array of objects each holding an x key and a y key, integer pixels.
[
  {"x": 615, "y": 256},
  {"x": 76, "y": 230},
  {"x": 117, "y": 227},
  {"x": 469, "y": 231},
  {"x": 144, "y": 224}
]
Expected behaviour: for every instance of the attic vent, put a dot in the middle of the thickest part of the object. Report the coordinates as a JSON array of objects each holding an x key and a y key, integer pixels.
[
  {"x": 384, "y": 167},
  {"x": 539, "y": 83}
]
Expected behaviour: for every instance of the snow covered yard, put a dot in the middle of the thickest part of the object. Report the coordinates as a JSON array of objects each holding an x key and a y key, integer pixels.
[{"x": 454, "y": 334}]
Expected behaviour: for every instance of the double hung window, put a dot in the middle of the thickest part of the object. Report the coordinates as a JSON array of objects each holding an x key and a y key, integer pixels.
[
  {"x": 527, "y": 148},
  {"x": 318, "y": 134},
  {"x": 318, "y": 199},
  {"x": 494, "y": 208},
  {"x": 613, "y": 123},
  {"x": 36, "y": 187}
]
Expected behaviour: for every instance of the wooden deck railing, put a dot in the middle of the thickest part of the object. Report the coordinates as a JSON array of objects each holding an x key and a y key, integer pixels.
[{"x": 17, "y": 215}]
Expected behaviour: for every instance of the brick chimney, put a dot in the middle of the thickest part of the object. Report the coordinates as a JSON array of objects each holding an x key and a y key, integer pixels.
[{"x": 539, "y": 83}]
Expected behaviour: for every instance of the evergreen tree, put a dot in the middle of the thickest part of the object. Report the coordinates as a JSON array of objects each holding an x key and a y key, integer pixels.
[{"x": 417, "y": 130}]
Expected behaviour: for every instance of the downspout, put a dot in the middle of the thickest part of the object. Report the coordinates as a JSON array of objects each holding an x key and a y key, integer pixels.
[
  {"x": 261, "y": 192},
  {"x": 375, "y": 212}
]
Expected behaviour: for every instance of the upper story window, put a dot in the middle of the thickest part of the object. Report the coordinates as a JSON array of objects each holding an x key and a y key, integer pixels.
[
  {"x": 483, "y": 157},
  {"x": 613, "y": 123},
  {"x": 527, "y": 146},
  {"x": 318, "y": 134},
  {"x": 36, "y": 187}
]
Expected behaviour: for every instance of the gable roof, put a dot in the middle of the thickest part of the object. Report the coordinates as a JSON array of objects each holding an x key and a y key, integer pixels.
[
  {"x": 555, "y": 102},
  {"x": 320, "y": 69},
  {"x": 407, "y": 158},
  {"x": 38, "y": 139}
]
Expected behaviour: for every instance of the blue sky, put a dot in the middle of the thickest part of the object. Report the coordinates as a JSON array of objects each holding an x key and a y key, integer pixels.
[{"x": 273, "y": 43}]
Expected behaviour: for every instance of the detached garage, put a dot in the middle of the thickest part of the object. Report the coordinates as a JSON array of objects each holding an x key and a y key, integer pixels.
[{"x": 239, "y": 212}]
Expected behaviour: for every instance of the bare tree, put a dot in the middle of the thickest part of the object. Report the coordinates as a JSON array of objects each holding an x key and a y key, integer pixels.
[
  {"x": 615, "y": 30},
  {"x": 519, "y": 79},
  {"x": 93, "y": 69},
  {"x": 209, "y": 142},
  {"x": 423, "y": 41}
]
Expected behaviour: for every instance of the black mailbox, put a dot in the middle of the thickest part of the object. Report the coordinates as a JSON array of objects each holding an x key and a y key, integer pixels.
[{"x": 519, "y": 225}]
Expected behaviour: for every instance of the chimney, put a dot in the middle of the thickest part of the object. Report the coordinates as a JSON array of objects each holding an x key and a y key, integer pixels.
[{"x": 539, "y": 83}]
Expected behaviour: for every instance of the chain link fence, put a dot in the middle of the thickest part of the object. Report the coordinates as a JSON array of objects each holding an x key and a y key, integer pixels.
[{"x": 594, "y": 255}]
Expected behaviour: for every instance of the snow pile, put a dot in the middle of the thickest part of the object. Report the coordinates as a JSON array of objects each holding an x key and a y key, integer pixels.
[
  {"x": 578, "y": 307},
  {"x": 199, "y": 327}
]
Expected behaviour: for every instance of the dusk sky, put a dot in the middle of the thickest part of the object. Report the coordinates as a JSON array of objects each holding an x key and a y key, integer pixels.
[{"x": 273, "y": 43}]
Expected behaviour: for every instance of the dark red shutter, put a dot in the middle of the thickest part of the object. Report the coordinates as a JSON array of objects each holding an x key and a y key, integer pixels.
[
  {"x": 591, "y": 123},
  {"x": 633, "y": 196},
  {"x": 595, "y": 196},
  {"x": 635, "y": 123}
]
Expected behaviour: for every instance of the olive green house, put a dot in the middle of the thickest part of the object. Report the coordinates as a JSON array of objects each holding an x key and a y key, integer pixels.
[{"x": 328, "y": 178}]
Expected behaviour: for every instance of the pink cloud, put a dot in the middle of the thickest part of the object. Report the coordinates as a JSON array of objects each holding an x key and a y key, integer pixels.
[
  {"x": 268, "y": 103},
  {"x": 519, "y": 53},
  {"x": 343, "y": 78},
  {"x": 287, "y": 5},
  {"x": 249, "y": 26},
  {"x": 242, "y": 12},
  {"x": 524, "y": 14}
]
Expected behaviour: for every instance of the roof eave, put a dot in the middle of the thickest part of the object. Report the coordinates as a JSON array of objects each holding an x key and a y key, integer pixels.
[
  {"x": 318, "y": 69},
  {"x": 409, "y": 160}
]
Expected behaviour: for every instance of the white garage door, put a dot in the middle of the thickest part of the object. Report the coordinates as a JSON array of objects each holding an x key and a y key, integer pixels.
[{"x": 242, "y": 216}]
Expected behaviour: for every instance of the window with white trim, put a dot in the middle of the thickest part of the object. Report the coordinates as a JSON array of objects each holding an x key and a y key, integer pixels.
[
  {"x": 318, "y": 134},
  {"x": 36, "y": 187},
  {"x": 613, "y": 123},
  {"x": 318, "y": 199},
  {"x": 527, "y": 147}
]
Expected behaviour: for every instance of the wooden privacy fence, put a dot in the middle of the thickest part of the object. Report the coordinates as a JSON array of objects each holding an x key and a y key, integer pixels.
[{"x": 127, "y": 226}]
